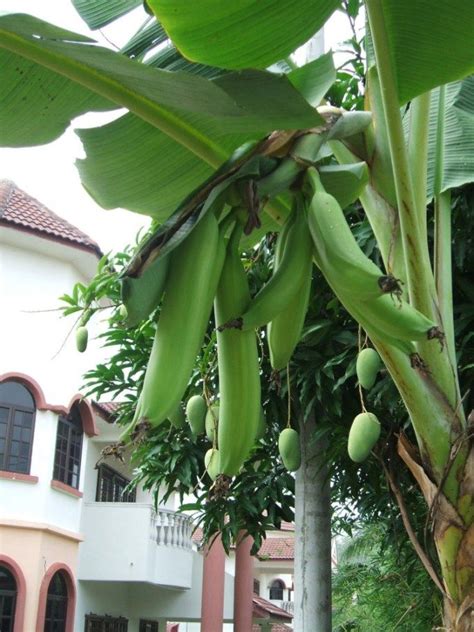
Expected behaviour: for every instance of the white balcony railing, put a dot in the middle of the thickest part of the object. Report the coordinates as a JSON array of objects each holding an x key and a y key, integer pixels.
[
  {"x": 132, "y": 542},
  {"x": 172, "y": 529},
  {"x": 289, "y": 606}
]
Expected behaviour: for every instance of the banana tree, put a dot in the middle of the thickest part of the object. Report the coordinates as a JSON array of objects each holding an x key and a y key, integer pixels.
[{"x": 180, "y": 128}]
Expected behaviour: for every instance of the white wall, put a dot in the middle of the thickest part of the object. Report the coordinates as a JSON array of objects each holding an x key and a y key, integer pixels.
[
  {"x": 39, "y": 502},
  {"x": 33, "y": 340}
]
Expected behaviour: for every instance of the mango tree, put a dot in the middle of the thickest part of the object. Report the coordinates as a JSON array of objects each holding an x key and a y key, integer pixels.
[{"x": 180, "y": 128}]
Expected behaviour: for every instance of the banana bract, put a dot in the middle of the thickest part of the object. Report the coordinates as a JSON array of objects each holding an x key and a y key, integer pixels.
[{"x": 239, "y": 378}]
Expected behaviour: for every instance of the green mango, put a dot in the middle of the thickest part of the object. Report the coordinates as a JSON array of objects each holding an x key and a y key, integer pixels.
[
  {"x": 363, "y": 435},
  {"x": 367, "y": 366},
  {"x": 289, "y": 448},
  {"x": 196, "y": 409},
  {"x": 211, "y": 463},
  {"x": 178, "y": 418},
  {"x": 82, "y": 336}
]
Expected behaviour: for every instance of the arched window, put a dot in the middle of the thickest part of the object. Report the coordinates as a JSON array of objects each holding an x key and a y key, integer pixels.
[
  {"x": 8, "y": 594},
  {"x": 67, "y": 456},
  {"x": 276, "y": 589},
  {"x": 17, "y": 421},
  {"x": 56, "y": 604}
]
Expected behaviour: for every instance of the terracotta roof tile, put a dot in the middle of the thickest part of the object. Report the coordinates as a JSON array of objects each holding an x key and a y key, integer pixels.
[
  {"x": 271, "y": 549},
  {"x": 263, "y": 609},
  {"x": 276, "y": 627},
  {"x": 277, "y": 549},
  {"x": 20, "y": 210},
  {"x": 107, "y": 410}
]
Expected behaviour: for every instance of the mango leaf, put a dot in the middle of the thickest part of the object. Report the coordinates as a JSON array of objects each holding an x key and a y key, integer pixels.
[
  {"x": 430, "y": 42},
  {"x": 345, "y": 182},
  {"x": 241, "y": 33},
  {"x": 98, "y": 13}
]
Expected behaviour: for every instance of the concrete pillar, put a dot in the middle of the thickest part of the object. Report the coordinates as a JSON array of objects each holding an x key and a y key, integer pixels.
[
  {"x": 243, "y": 586},
  {"x": 212, "y": 602}
]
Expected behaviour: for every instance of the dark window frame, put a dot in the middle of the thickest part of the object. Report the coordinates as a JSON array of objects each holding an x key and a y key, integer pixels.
[
  {"x": 12, "y": 410},
  {"x": 11, "y": 594},
  {"x": 148, "y": 625},
  {"x": 103, "y": 622},
  {"x": 69, "y": 428},
  {"x": 116, "y": 479},
  {"x": 277, "y": 585},
  {"x": 57, "y": 604}
]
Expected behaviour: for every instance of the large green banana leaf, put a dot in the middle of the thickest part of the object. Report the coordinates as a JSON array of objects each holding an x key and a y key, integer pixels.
[
  {"x": 136, "y": 166},
  {"x": 241, "y": 33},
  {"x": 451, "y": 150},
  {"x": 49, "y": 76},
  {"x": 99, "y": 13},
  {"x": 430, "y": 41},
  {"x": 458, "y": 138}
]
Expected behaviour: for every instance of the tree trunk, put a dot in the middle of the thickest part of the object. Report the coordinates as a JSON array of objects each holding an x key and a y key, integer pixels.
[{"x": 312, "y": 536}]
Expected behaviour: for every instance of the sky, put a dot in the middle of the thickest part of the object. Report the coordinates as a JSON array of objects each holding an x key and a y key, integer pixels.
[{"x": 48, "y": 173}]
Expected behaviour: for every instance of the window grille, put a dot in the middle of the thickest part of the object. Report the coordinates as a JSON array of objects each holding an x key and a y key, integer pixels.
[
  {"x": 111, "y": 487},
  {"x": 17, "y": 421},
  {"x": 105, "y": 623},
  {"x": 67, "y": 456}
]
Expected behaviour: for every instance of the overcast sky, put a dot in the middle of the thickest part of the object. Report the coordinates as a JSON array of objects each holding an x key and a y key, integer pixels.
[{"x": 47, "y": 172}]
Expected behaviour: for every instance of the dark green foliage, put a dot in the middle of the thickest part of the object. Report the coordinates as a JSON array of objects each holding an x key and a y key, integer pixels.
[{"x": 380, "y": 584}]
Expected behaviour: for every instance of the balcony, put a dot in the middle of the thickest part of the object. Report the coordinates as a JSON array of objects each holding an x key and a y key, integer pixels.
[{"x": 130, "y": 542}]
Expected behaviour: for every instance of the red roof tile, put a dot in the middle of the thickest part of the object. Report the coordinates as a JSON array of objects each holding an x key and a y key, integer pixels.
[
  {"x": 276, "y": 627},
  {"x": 263, "y": 609},
  {"x": 20, "y": 210},
  {"x": 107, "y": 410},
  {"x": 271, "y": 549},
  {"x": 277, "y": 549}
]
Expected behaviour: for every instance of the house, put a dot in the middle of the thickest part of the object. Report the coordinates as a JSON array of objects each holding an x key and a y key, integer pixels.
[{"x": 76, "y": 551}]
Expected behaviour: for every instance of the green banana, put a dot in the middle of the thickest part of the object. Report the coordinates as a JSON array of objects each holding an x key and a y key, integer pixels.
[
  {"x": 284, "y": 330},
  {"x": 142, "y": 295},
  {"x": 338, "y": 249},
  {"x": 190, "y": 288},
  {"x": 239, "y": 378},
  {"x": 398, "y": 319},
  {"x": 289, "y": 275}
]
